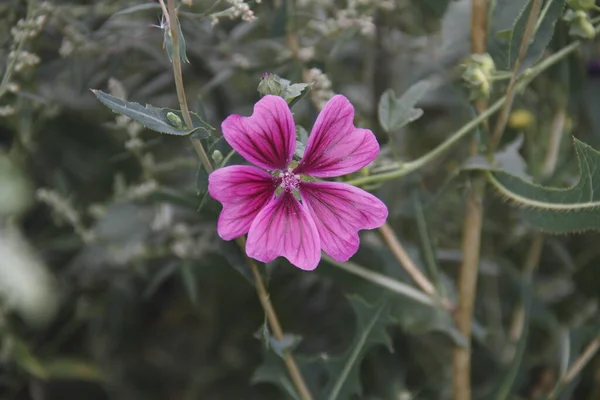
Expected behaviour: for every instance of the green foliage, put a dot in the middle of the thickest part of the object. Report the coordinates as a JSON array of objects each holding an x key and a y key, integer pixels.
[
  {"x": 114, "y": 281},
  {"x": 558, "y": 210},
  {"x": 394, "y": 113},
  {"x": 162, "y": 120},
  {"x": 342, "y": 371}
]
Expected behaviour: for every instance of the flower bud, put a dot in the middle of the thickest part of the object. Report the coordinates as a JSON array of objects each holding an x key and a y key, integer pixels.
[
  {"x": 478, "y": 75},
  {"x": 270, "y": 84},
  {"x": 580, "y": 24},
  {"x": 217, "y": 157}
]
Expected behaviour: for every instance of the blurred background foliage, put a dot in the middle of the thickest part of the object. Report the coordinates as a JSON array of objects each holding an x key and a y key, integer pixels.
[{"x": 114, "y": 285}]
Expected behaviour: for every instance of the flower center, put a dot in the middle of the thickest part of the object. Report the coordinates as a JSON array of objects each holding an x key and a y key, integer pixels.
[{"x": 289, "y": 181}]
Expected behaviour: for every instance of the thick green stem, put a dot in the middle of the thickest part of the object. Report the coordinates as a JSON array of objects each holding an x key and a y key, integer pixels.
[{"x": 420, "y": 162}]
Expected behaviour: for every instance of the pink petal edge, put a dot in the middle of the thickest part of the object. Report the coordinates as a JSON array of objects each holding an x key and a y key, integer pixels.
[
  {"x": 340, "y": 211},
  {"x": 243, "y": 190},
  {"x": 284, "y": 227},
  {"x": 267, "y": 138},
  {"x": 335, "y": 146}
]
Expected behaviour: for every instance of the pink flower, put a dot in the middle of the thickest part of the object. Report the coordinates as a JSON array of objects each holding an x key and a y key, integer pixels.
[{"x": 265, "y": 204}]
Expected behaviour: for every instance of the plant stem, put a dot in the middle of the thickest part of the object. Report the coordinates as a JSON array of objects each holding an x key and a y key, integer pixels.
[
  {"x": 382, "y": 280},
  {"x": 295, "y": 374},
  {"x": 265, "y": 301},
  {"x": 512, "y": 84},
  {"x": 173, "y": 23},
  {"x": 576, "y": 367},
  {"x": 409, "y": 266},
  {"x": 471, "y": 238},
  {"x": 455, "y": 137}
]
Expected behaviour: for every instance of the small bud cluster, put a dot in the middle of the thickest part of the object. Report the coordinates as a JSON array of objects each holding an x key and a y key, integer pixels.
[
  {"x": 321, "y": 87},
  {"x": 24, "y": 59},
  {"x": 478, "y": 70},
  {"x": 344, "y": 19},
  {"x": 580, "y": 24},
  {"x": 28, "y": 28},
  {"x": 239, "y": 9}
]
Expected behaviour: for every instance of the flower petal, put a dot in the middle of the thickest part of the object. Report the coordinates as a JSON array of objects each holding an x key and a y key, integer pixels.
[
  {"x": 267, "y": 138},
  {"x": 340, "y": 211},
  {"x": 243, "y": 190},
  {"x": 335, "y": 146},
  {"x": 285, "y": 228}
]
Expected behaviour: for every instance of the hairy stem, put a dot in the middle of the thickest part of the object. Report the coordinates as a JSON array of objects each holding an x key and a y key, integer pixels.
[
  {"x": 171, "y": 16},
  {"x": 512, "y": 84},
  {"x": 471, "y": 238},
  {"x": 409, "y": 266},
  {"x": 173, "y": 23},
  {"x": 412, "y": 166},
  {"x": 273, "y": 320}
]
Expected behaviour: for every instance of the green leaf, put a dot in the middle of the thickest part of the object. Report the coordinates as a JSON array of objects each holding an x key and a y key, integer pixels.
[
  {"x": 335, "y": 377},
  {"x": 168, "y": 43},
  {"x": 541, "y": 38},
  {"x": 371, "y": 323},
  {"x": 162, "y": 120},
  {"x": 394, "y": 113},
  {"x": 557, "y": 210},
  {"x": 273, "y": 371}
]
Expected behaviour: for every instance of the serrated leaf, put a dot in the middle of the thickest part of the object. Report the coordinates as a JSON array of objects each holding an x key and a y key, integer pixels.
[
  {"x": 394, "y": 112},
  {"x": 371, "y": 324},
  {"x": 557, "y": 210},
  {"x": 157, "y": 119},
  {"x": 541, "y": 38}
]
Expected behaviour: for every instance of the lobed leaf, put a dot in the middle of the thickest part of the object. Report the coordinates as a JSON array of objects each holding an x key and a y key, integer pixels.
[{"x": 395, "y": 113}]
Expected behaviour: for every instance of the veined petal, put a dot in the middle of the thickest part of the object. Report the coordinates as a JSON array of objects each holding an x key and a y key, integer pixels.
[
  {"x": 340, "y": 211},
  {"x": 284, "y": 227},
  {"x": 335, "y": 146},
  {"x": 243, "y": 190},
  {"x": 267, "y": 138}
]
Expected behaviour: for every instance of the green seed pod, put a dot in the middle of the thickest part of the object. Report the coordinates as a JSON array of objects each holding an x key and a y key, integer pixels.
[{"x": 175, "y": 120}]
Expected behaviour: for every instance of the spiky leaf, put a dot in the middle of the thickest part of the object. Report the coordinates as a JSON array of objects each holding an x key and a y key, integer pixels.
[{"x": 557, "y": 210}]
